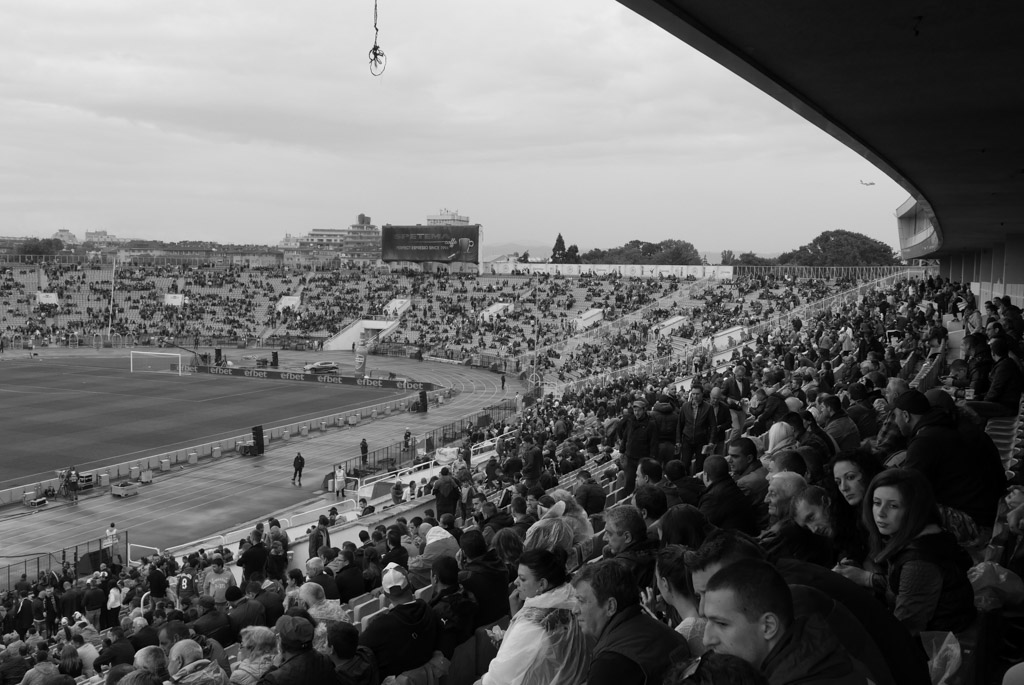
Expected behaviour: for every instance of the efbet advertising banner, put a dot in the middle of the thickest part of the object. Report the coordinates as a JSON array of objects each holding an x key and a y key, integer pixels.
[
  {"x": 431, "y": 244},
  {"x": 360, "y": 361}
]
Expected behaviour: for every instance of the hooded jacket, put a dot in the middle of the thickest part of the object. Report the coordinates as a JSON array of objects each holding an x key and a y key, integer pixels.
[
  {"x": 305, "y": 668},
  {"x": 249, "y": 671},
  {"x": 487, "y": 578},
  {"x": 938, "y": 451},
  {"x": 201, "y": 672},
  {"x": 404, "y": 638},
  {"x": 440, "y": 543},
  {"x": 495, "y": 523},
  {"x": 724, "y": 505},
  {"x": 665, "y": 417},
  {"x": 810, "y": 654}
]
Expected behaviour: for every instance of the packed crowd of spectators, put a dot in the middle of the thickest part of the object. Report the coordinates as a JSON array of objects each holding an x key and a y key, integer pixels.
[{"x": 801, "y": 515}]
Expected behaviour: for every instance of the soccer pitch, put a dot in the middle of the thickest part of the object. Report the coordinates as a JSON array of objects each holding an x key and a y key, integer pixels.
[{"x": 92, "y": 412}]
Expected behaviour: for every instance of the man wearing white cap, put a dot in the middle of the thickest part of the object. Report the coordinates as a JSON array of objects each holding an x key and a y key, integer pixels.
[{"x": 406, "y": 636}]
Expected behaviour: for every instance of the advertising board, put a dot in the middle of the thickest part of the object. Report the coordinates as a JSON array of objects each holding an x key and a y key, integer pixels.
[
  {"x": 323, "y": 378},
  {"x": 431, "y": 244}
]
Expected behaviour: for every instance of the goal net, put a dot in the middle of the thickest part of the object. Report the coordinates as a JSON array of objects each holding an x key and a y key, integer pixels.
[{"x": 157, "y": 362}]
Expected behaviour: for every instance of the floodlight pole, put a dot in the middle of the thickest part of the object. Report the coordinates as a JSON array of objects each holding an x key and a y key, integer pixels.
[{"x": 113, "y": 285}]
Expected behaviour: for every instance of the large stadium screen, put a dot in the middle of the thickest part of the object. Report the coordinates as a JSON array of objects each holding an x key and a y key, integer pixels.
[{"x": 431, "y": 244}]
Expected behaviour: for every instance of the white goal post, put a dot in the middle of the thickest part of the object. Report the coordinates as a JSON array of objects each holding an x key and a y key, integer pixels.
[{"x": 156, "y": 362}]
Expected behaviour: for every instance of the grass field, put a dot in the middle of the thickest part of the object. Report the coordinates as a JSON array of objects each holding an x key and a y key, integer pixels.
[{"x": 91, "y": 411}]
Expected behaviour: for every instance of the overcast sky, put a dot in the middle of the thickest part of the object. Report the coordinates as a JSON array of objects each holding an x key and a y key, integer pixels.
[{"x": 244, "y": 120}]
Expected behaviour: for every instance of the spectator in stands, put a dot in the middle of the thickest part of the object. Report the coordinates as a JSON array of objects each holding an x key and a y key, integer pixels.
[
  {"x": 349, "y": 578},
  {"x": 544, "y": 642},
  {"x": 696, "y": 430},
  {"x": 629, "y": 544},
  {"x": 87, "y": 652},
  {"x": 153, "y": 660},
  {"x": 936, "y": 449},
  {"x": 271, "y": 595},
  {"x": 406, "y": 636},
  {"x": 666, "y": 421},
  {"x": 638, "y": 436},
  {"x": 589, "y": 494},
  {"x": 244, "y": 610},
  {"x": 254, "y": 558},
  {"x": 630, "y": 646},
  {"x": 446, "y": 493},
  {"x": 300, "y": 664},
  {"x": 712, "y": 668},
  {"x": 14, "y": 662},
  {"x": 784, "y": 539},
  {"x": 315, "y": 573},
  {"x": 217, "y": 580},
  {"x": 454, "y": 606},
  {"x": 319, "y": 537},
  {"x": 396, "y": 551},
  {"x": 679, "y": 486},
  {"x": 861, "y": 410},
  {"x": 143, "y": 635},
  {"x": 816, "y": 511},
  {"x": 1006, "y": 382},
  {"x": 737, "y": 389},
  {"x": 723, "y": 503},
  {"x": 354, "y": 664},
  {"x": 484, "y": 575},
  {"x": 924, "y": 570},
  {"x": 837, "y": 423},
  {"x": 42, "y": 670},
  {"x": 323, "y": 612},
  {"x": 257, "y": 647},
  {"x": 212, "y": 622},
  {"x": 533, "y": 460},
  {"x": 748, "y": 472},
  {"x": 120, "y": 651},
  {"x": 652, "y": 504},
  {"x": 574, "y": 514},
  {"x": 750, "y": 614},
  {"x": 676, "y": 588},
  {"x": 493, "y": 520},
  {"x": 685, "y": 525},
  {"x": 521, "y": 516}
]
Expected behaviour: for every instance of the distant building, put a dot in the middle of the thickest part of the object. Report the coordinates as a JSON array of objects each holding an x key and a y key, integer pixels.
[
  {"x": 359, "y": 243},
  {"x": 103, "y": 239},
  {"x": 66, "y": 237},
  {"x": 447, "y": 217}
]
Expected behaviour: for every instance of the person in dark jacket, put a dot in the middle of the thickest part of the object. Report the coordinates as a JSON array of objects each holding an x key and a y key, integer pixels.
[
  {"x": 679, "y": 486},
  {"x": 300, "y": 663},
  {"x": 784, "y": 539},
  {"x": 485, "y": 576},
  {"x": 1006, "y": 382},
  {"x": 14, "y": 666},
  {"x": 639, "y": 439},
  {"x": 396, "y": 552},
  {"x": 319, "y": 537},
  {"x": 937, "y": 449},
  {"x": 212, "y": 622},
  {"x": 750, "y": 614},
  {"x": 406, "y": 636},
  {"x": 243, "y": 609},
  {"x": 533, "y": 460},
  {"x": 629, "y": 544},
  {"x": 723, "y": 503},
  {"x": 630, "y": 646},
  {"x": 665, "y": 417},
  {"x": 589, "y": 494},
  {"x": 862, "y": 411},
  {"x": 494, "y": 520},
  {"x": 446, "y": 493},
  {"x": 120, "y": 651},
  {"x": 696, "y": 430},
  {"x": 254, "y": 558},
  {"x": 349, "y": 577},
  {"x": 355, "y": 665},
  {"x": 454, "y": 606}
]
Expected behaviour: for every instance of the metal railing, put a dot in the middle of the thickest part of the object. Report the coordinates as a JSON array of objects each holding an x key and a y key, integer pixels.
[{"x": 84, "y": 558}]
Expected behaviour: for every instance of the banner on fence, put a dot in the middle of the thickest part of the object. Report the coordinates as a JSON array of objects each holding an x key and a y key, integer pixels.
[{"x": 328, "y": 378}]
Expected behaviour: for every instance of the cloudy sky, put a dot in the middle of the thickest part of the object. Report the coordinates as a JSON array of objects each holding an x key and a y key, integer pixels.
[{"x": 244, "y": 120}]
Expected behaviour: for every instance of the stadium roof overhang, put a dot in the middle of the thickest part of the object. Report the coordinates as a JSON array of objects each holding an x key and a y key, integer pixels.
[{"x": 931, "y": 92}]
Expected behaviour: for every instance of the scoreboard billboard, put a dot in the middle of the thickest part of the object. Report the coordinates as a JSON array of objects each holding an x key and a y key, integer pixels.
[{"x": 431, "y": 244}]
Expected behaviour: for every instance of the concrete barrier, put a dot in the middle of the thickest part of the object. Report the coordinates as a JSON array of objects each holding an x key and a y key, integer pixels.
[
  {"x": 303, "y": 430},
  {"x": 215, "y": 452},
  {"x": 193, "y": 458},
  {"x": 165, "y": 464}
]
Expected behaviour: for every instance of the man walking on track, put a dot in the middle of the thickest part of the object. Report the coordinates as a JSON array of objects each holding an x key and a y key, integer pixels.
[
  {"x": 297, "y": 464},
  {"x": 72, "y": 480},
  {"x": 364, "y": 451}
]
